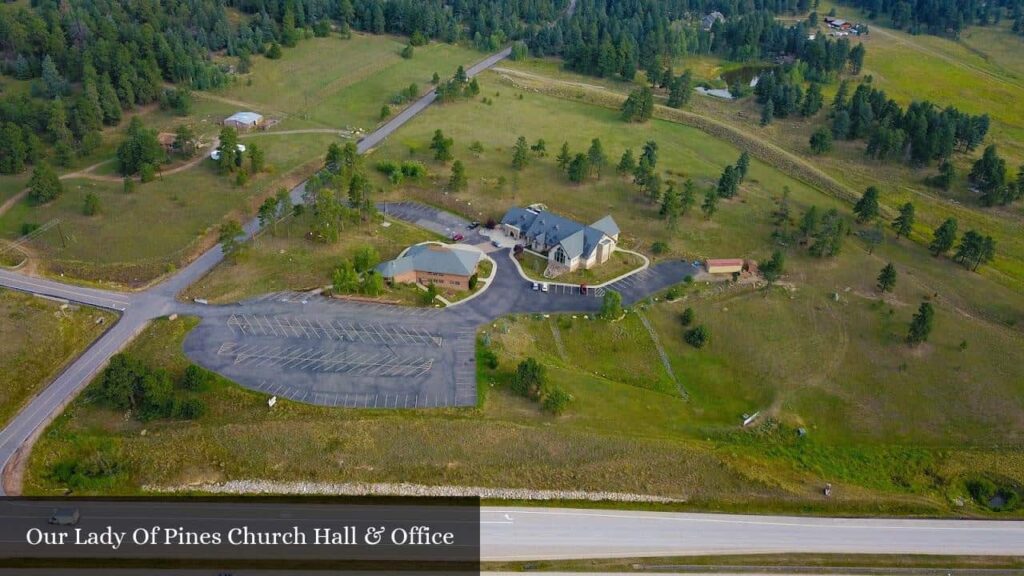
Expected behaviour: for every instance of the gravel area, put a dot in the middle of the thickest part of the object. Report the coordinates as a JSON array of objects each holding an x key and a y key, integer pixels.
[{"x": 364, "y": 489}]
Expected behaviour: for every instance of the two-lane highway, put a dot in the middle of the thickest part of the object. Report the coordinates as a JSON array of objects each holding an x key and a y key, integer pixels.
[{"x": 511, "y": 534}]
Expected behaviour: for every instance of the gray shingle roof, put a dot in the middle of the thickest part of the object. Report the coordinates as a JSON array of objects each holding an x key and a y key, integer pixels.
[
  {"x": 551, "y": 230},
  {"x": 433, "y": 258}
]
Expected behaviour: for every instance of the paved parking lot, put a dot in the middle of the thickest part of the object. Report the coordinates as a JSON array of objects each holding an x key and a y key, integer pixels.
[
  {"x": 338, "y": 353},
  {"x": 358, "y": 354},
  {"x": 430, "y": 218}
]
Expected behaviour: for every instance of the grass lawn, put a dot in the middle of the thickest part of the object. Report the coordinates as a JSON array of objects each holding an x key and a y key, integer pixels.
[
  {"x": 37, "y": 338},
  {"x": 495, "y": 186},
  {"x": 343, "y": 83},
  {"x": 286, "y": 260},
  {"x": 618, "y": 264},
  {"x": 138, "y": 236}
]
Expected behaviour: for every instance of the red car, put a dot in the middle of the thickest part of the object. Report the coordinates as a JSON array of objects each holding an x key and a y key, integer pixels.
[{"x": 457, "y": 237}]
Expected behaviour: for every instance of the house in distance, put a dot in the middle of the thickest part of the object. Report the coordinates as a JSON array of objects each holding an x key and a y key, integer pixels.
[
  {"x": 244, "y": 121},
  {"x": 568, "y": 245}
]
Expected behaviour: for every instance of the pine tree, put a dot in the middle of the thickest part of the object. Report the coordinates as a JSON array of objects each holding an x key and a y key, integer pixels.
[
  {"x": 944, "y": 237},
  {"x": 671, "y": 207},
  {"x": 866, "y": 208},
  {"x": 710, "y": 205},
  {"x": 887, "y": 278},
  {"x": 578, "y": 168},
  {"x": 921, "y": 325},
  {"x": 520, "y": 154},
  {"x": 688, "y": 197},
  {"x": 596, "y": 156},
  {"x": 904, "y": 222},
  {"x": 458, "y": 179},
  {"x": 564, "y": 157},
  {"x": 44, "y": 185},
  {"x": 627, "y": 163}
]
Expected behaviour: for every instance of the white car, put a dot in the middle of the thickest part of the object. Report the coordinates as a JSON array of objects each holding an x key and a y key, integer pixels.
[
  {"x": 536, "y": 286},
  {"x": 545, "y": 287},
  {"x": 215, "y": 155}
]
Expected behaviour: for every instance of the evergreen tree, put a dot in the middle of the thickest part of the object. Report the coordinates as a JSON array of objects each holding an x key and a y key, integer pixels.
[
  {"x": 44, "y": 186},
  {"x": 710, "y": 204},
  {"x": 13, "y": 152},
  {"x": 578, "y": 168},
  {"x": 627, "y": 164},
  {"x": 743, "y": 166},
  {"x": 768, "y": 113},
  {"x": 921, "y": 325},
  {"x": 458, "y": 180},
  {"x": 564, "y": 157},
  {"x": 596, "y": 156},
  {"x": 904, "y": 222},
  {"x": 520, "y": 154},
  {"x": 671, "y": 207},
  {"x": 944, "y": 237},
  {"x": 442, "y": 147},
  {"x": 639, "y": 106},
  {"x": 866, "y": 208},
  {"x": 821, "y": 141},
  {"x": 887, "y": 278}
]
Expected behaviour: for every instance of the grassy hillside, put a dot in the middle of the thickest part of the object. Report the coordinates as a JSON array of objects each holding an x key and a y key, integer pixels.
[{"x": 37, "y": 338}]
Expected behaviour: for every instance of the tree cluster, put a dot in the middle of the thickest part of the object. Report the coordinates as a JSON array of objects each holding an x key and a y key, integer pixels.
[{"x": 128, "y": 384}]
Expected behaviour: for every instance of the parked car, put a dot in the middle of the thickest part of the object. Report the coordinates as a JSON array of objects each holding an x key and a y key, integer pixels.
[
  {"x": 64, "y": 517},
  {"x": 473, "y": 225},
  {"x": 495, "y": 243},
  {"x": 545, "y": 287},
  {"x": 583, "y": 289},
  {"x": 458, "y": 237},
  {"x": 536, "y": 286}
]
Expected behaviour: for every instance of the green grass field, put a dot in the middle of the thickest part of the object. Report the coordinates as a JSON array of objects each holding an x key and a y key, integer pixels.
[
  {"x": 286, "y": 260},
  {"x": 37, "y": 338},
  {"x": 343, "y": 83},
  {"x": 322, "y": 82},
  {"x": 895, "y": 429},
  {"x": 141, "y": 235}
]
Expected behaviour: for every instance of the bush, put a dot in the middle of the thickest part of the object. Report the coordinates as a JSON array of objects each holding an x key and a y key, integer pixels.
[
  {"x": 473, "y": 281},
  {"x": 659, "y": 248},
  {"x": 529, "y": 379},
  {"x": 996, "y": 497},
  {"x": 489, "y": 359},
  {"x": 95, "y": 460},
  {"x": 91, "y": 207},
  {"x": 147, "y": 173},
  {"x": 556, "y": 400},
  {"x": 190, "y": 409},
  {"x": 687, "y": 317},
  {"x": 697, "y": 337},
  {"x": 196, "y": 378},
  {"x": 413, "y": 169},
  {"x": 673, "y": 293}
]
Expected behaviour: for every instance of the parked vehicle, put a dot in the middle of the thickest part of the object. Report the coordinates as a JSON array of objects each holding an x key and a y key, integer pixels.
[
  {"x": 583, "y": 289},
  {"x": 473, "y": 225},
  {"x": 64, "y": 517},
  {"x": 536, "y": 286},
  {"x": 457, "y": 237},
  {"x": 495, "y": 243},
  {"x": 545, "y": 287}
]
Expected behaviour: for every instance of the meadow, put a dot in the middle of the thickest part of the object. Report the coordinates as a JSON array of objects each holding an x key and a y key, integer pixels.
[
  {"x": 37, "y": 338},
  {"x": 342, "y": 83},
  {"x": 282, "y": 258},
  {"x": 322, "y": 84}
]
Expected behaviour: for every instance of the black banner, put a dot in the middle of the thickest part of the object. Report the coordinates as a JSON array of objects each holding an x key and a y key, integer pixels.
[{"x": 258, "y": 533}]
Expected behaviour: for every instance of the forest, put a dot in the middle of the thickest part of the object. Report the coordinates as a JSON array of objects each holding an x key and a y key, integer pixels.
[{"x": 942, "y": 17}]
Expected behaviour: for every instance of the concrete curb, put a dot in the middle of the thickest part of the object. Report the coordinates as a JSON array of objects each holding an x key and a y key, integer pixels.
[{"x": 641, "y": 268}]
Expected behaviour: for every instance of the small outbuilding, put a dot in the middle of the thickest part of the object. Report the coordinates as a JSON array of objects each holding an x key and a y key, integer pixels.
[
  {"x": 724, "y": 265},
  {"x": 166, "y": 140},
  {"x": 244, "y": 121}
]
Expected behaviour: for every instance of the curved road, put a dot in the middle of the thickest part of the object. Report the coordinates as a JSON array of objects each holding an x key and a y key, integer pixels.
[{"x": 532, "y": 533}]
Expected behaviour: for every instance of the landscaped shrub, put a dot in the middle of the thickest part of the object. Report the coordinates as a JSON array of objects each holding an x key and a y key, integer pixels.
[
  {"x": 687, "y": 317},
  {"x": 529, "y": 378},
  {"x": 556, "y": 400},
  {"x": 697, "y": 337}
]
